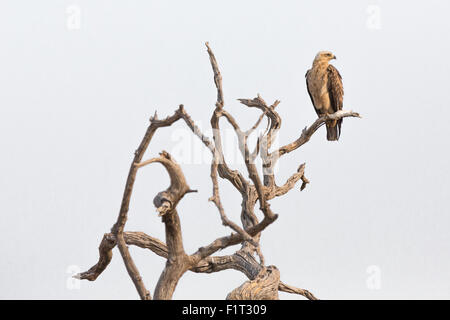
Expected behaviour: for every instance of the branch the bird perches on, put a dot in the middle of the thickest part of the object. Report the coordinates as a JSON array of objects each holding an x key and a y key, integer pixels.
[{"x": 264, "y": 281}]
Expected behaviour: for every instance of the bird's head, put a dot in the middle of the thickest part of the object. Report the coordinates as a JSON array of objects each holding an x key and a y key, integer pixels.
[{"x": 324, "y": 56}]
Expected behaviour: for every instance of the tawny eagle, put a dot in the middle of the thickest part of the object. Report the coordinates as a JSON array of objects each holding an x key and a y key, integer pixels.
[{"x": 325, "y": 89}]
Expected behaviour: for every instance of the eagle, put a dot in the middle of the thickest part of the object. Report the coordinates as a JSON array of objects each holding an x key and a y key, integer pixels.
[{"x": 325, "y": 89}]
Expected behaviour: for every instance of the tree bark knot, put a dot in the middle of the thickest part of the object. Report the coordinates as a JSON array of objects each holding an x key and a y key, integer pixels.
[{"x": 264, "y": 287}]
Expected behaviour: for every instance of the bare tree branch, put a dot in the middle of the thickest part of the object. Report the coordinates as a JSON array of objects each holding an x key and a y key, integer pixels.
[
  {"x": 308, "y": 132},
  {"x": 166, "y": 202},
  {"x": 290, "y": 183},
  {"x": 117, "y": 229},
  {"x": 190, "y": 123},
  {"x": 290, "y": 289},
  {"x": 238, "y": 261},
  {"x": 105, "y": 255},
  {"x": 217, "y": 77},
  {"x": 216, "y": 199},
  {"x": 253, "y": 128},
  {"x": 154, "y": 125}
]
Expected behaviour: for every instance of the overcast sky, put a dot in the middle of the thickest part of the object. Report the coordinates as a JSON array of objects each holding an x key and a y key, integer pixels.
[{"x": 79, "y": 80}]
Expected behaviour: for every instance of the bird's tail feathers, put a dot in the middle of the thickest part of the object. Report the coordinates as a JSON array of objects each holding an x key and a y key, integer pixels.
[{"x": 333, "y": 130}]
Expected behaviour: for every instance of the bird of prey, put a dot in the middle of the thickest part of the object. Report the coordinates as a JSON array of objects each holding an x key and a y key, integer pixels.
[{"x": 325, "y": 89}]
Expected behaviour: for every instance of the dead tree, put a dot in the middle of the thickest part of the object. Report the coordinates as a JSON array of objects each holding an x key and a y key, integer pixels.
[{"x": 264, "y": 281}]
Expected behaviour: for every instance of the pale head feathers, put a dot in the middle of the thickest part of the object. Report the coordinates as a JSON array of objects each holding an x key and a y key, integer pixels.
[{"x": 324, "y": 57}]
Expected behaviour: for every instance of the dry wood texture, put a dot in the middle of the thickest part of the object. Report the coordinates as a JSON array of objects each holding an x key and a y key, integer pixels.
[{"x": 264, "y": 281}]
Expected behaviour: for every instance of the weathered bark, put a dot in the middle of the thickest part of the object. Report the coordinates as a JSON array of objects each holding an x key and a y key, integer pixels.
[
  {"x": 263, "y": 287},
  {"x": 264, "y": 281}
]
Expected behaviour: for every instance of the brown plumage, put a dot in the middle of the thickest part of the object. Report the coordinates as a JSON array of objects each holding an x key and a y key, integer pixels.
[{"x": 326, "y": 91}]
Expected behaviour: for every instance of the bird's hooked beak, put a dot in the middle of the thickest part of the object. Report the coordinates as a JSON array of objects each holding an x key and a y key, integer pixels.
[{"x": 334, "y": 57}]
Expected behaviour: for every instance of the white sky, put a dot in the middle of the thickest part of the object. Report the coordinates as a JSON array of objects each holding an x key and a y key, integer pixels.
[{"x": 74, "y": 104}]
